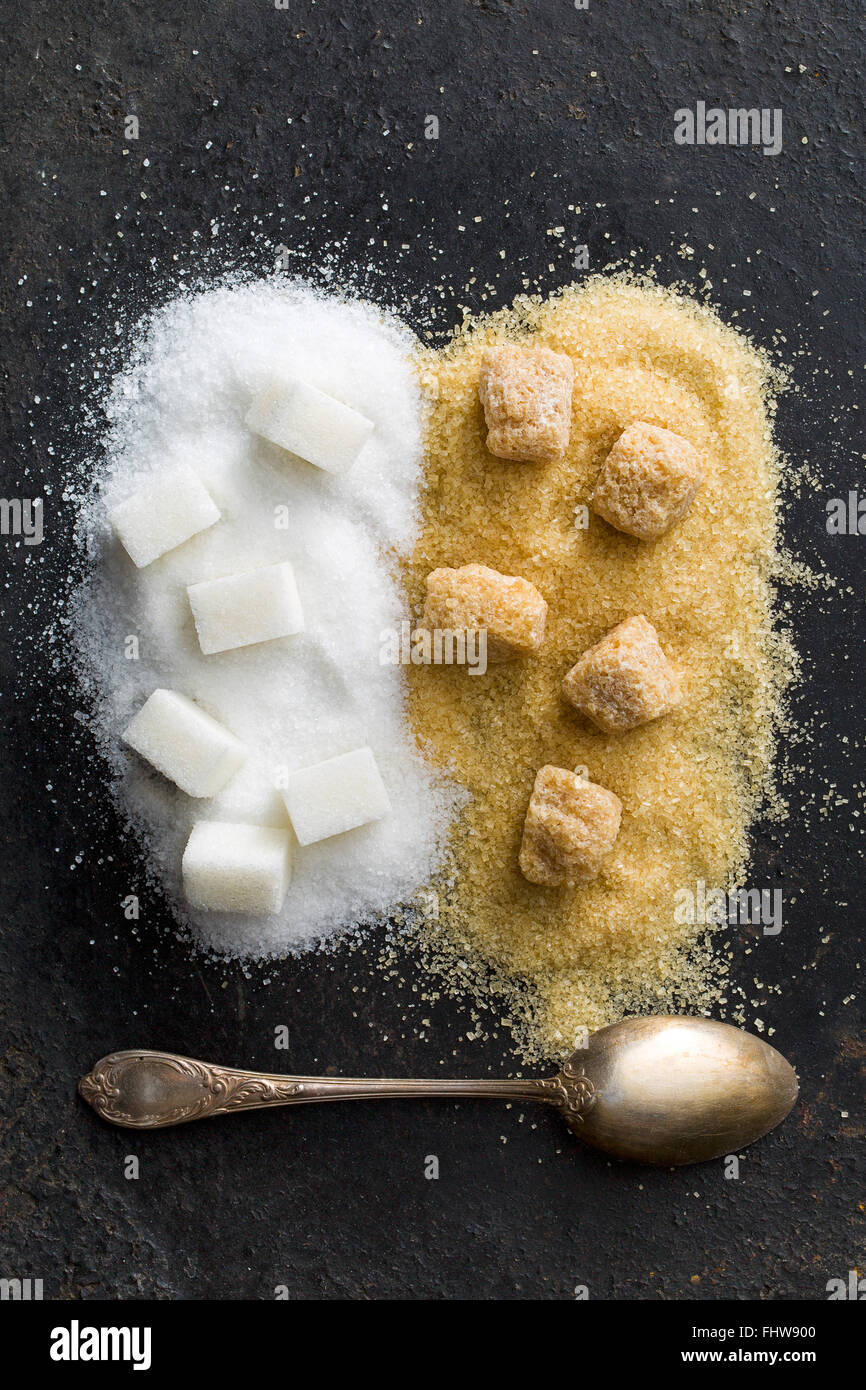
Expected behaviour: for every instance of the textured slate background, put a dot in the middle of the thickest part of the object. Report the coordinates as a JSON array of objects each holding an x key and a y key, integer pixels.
[{"x": 331, "y": 1201}]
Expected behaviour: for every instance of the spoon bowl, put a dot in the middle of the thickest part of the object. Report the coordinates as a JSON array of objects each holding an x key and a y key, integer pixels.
[{"x": 672, "y": 1089}]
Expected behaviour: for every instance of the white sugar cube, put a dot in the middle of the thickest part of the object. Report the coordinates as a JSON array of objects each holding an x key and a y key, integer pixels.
[
  {"x": 311, "y": 424},
  {"x": 241, "y": 609},
  {"x": 229, "y": 867},
  {"x": 335, "y": 796},
  {"x": 184, "y": 743},
  {"x": 163, "y": 514}
]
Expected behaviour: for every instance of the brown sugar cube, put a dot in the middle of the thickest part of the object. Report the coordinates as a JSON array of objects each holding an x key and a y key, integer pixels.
[
  {"x": 526, "y": 394},
  {"x": 474, "y": 598},
  {"x": 625, "y": 679},
  {"x": 647, "y": 482},
  {"x": 571, "y": 824}
]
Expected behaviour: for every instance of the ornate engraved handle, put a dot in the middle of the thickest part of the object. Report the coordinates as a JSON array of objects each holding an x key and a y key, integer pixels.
[{"x": 148, "y": 1090}]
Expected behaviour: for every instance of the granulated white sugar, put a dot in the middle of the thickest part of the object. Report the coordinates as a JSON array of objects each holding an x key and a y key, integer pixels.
[{"x": 181, "y": 401}]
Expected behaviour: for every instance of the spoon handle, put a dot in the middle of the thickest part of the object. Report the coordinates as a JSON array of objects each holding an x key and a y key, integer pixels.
[{"x": 148, "y": 1090}]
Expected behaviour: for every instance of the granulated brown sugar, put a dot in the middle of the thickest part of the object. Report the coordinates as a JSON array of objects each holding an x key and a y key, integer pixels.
[{"x": 691, "y": 782}]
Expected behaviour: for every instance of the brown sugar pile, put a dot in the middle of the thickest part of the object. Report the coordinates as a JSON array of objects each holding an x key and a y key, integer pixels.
[{"x": 690, "y": 783}]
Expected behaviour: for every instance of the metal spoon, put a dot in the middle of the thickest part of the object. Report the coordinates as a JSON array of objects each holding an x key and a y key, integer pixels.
[{"x": 664, "y": 1089}]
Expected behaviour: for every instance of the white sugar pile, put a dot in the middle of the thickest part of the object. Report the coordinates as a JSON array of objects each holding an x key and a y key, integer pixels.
[{"x": 183, "y": 399}]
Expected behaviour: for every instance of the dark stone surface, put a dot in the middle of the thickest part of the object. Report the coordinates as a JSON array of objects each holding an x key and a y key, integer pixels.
[{"x": 331, "y": 1201}]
